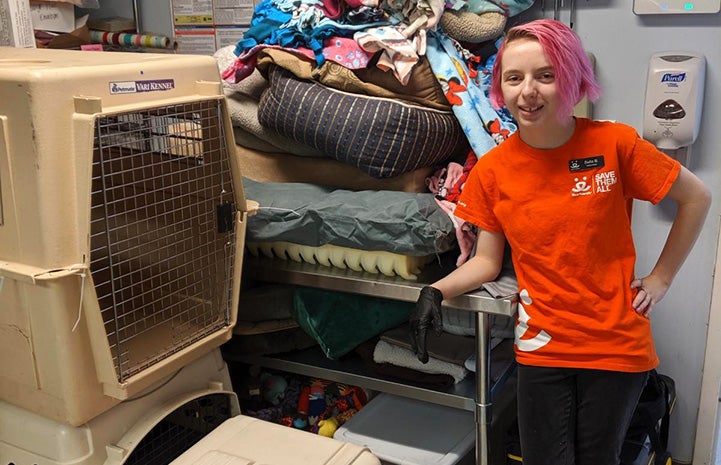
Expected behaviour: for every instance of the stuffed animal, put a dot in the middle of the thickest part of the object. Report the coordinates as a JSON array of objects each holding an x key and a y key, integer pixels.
[
  {"x": 304, "y": 400},
  {"x": 316, "y": 401},
  {"x": 327, "y": 427},
  {"x": 300, "y": 422},
  {"x": 272, "y": 388}
]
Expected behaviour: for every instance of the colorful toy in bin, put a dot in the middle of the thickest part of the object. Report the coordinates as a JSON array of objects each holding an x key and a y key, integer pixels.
[
  {"x": 304, "y": 401},
  {"x": 328, "y": 427},
  {"x": 341, "y": 403},
  {"x": 273, "y": 388},
  {"x": 316, "y": 401},
  {"x": 300, "y": 422},
  {"x": 315, "y": 405}
]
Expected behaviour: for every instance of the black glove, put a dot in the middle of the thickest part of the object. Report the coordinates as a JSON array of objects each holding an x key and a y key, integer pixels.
[{"x": 425, "y": 314}]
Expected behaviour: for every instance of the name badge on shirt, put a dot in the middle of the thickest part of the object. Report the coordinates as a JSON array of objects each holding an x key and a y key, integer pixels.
[{"x": 583, "y": 164}]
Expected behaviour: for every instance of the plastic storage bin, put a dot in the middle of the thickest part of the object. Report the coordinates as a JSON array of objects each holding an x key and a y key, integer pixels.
[
  {"x": 406, "y": 431},
  {"x": 122, "y": 224},
  {"x": 245, "y": 440}
]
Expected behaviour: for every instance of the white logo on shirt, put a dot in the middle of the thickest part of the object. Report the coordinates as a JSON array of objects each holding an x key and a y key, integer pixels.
[
  {"x": 536, "y": 342},
  {"x": 602, "y": 182},
  {"x": 581, "y": 187},
  {"x": 605, "y": 180}
]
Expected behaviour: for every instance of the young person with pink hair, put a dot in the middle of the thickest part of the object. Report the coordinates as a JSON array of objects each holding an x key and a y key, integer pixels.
[{"x": 559, "y": 191}]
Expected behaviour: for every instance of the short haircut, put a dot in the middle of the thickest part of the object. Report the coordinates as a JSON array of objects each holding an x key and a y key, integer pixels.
[{"x": 571, "y": 64}]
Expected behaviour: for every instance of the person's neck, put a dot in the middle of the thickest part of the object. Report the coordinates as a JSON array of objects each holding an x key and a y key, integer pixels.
[{"x": 548, "y": 137}]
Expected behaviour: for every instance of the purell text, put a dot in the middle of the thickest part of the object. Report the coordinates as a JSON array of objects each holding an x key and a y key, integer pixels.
[{"x": 673, "y": 77}]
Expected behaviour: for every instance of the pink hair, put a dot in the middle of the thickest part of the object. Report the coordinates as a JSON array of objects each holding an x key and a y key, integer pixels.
[{"x": 563, "y": 48}]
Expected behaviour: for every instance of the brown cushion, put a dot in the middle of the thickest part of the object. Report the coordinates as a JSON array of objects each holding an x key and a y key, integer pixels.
[{"x": 283, "y": 167}]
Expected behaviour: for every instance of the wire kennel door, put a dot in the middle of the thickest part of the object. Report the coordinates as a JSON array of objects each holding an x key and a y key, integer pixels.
[{"x": 162, "y": 231}]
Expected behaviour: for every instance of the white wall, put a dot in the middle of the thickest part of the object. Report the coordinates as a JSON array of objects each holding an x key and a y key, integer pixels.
[
  {"x": 622, "y": 44},
  {"x": 154, "y": 16},
  {"x": 709, "y": 416}
]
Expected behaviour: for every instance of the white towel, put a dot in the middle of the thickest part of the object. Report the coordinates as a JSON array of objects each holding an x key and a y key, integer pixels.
[{"x": 398, "y": 356}]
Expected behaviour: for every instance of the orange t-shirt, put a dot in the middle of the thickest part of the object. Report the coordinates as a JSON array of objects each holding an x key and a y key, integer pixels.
[{"x": 566, "y": 215}]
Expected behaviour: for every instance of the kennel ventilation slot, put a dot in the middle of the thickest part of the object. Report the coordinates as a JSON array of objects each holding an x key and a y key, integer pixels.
[{"x": 181, "y": 429}]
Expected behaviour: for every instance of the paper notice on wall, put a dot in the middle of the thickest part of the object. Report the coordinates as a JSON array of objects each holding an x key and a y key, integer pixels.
[
  {"x": 204, "y": 26},
  {"x": 192, "y": 12},
  {"x": 195, "y": 40},
  {"x": 233, "y": 3},
  {"x": 231, "y": 16},
  {"x": 55, "y": 17},
  {"x": 16, "y": 26},
  {"x": 225, "y": 36}
]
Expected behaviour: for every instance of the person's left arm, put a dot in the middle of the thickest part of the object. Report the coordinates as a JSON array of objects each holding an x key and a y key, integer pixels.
[{"x": 693, "y": 199}]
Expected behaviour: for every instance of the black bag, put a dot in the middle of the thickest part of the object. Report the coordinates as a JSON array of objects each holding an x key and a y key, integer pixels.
[{"x": 650, "y": 421}]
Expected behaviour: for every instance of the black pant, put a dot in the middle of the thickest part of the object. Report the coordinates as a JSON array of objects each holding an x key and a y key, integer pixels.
[{"x": 572, "y": 416}]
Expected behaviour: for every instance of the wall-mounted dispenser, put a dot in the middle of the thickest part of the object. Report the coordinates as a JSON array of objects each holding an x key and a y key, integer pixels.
[
  {"x": 674, "y": 99},
  {"x": 657, "y": 7}
]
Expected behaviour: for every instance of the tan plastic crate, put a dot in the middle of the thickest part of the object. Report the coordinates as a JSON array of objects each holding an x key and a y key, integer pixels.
[
  {"x": 244, "y": 440},
  {"x": 122, "y": 224},
  {"x": 154, "y": 428}
]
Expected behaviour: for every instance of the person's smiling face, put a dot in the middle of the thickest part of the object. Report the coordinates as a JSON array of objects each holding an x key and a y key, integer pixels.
[{"x": 528, "y": 85}]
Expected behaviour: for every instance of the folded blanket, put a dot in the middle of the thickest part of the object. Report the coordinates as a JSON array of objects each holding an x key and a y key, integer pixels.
[
  {"x": 341, "y": 321},
  {"x": 422, "y": 89},
  {"x": 463, "y": 323},
  {"x": 283, "y": 167},
  {"x": 388, "y": 353},
  {"x": 446, "y": 347},
  {"x": 504, "y": 285},
  {"x": 365, "y": 351}
]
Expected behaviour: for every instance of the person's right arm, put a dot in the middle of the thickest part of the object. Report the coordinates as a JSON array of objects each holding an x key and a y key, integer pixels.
[{"x": 484, "y": 266}]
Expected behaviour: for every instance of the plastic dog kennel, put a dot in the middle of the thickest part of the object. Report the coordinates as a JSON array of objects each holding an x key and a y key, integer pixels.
[
  {"x": 122, "y": 225},
  {"x": 153, "y": 428}
]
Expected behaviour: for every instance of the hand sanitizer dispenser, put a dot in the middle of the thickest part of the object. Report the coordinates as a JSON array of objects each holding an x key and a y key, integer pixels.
[{"x": 674, "y": 99}]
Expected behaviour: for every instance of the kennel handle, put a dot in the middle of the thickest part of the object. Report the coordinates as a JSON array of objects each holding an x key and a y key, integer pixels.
[{"x": 31, "y": 274}]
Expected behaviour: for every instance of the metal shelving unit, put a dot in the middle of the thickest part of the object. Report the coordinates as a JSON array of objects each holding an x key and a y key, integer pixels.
[
  {"x": 312, "y": 362},
  {"x": 471, "y": 394},
  {"x": 378, "y": 285}
]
